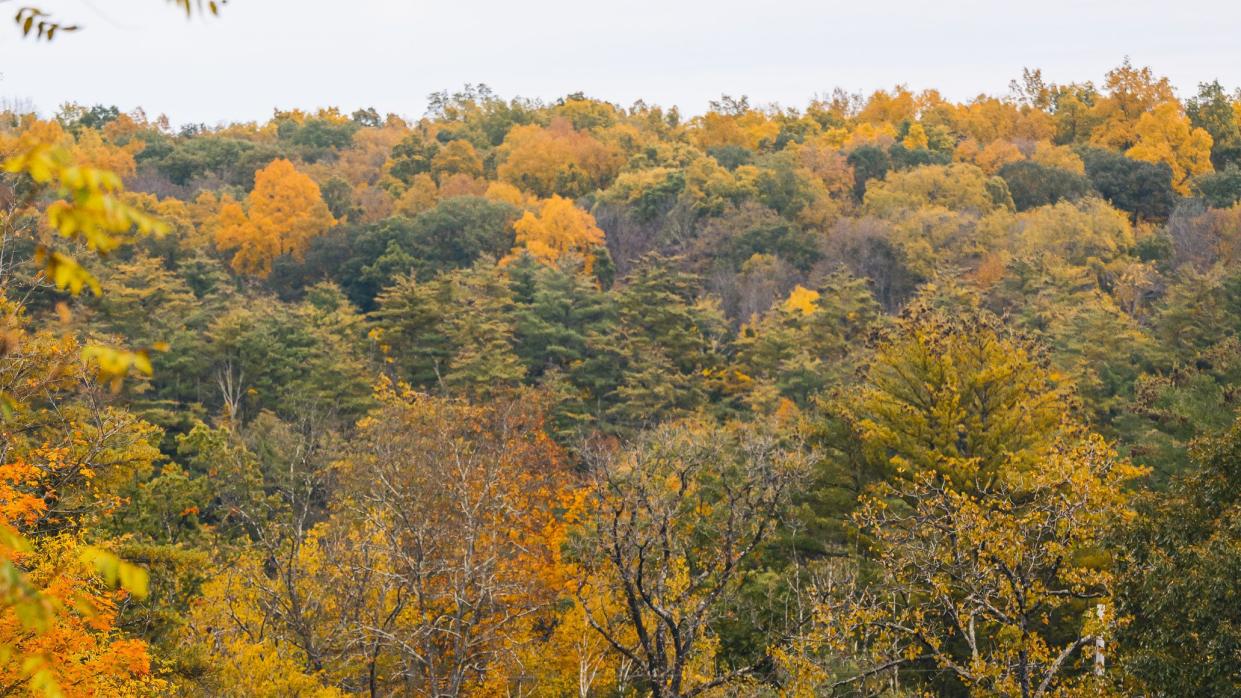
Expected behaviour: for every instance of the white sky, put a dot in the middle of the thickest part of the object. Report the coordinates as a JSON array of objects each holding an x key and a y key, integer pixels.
[{"x": 262, "y": 54}]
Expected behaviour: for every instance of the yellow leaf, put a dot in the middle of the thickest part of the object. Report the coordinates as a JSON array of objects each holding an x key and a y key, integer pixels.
[
  {"x": 117, "y": 572},
  {"x": 65, "y": 272},
  {"x": 801, "y": 300}
]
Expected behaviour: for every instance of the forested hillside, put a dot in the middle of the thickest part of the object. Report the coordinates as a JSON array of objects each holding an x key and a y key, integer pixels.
[{"x": 886, "y": 395}]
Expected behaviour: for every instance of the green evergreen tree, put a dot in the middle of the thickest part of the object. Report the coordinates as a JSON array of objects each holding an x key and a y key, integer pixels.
[
  {"x": 670, "y": 345},
  {"x": 480, "y": 330},
  {"x": 411, "y": 318},
  {"x": 557, "y": 309}
]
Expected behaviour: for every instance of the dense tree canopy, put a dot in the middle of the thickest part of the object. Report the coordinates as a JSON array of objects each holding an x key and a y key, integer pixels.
[{"x": 886, "y": 395}]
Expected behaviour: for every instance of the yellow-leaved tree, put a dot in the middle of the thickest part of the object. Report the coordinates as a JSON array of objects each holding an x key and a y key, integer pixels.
[
  {"x": 1131, "y": 92},
  {"x": 437, "y": 565},
  {"x": 984, "y": 573},
  {"x": 559, "y": 228},
  {"x": 557, "y": 160},
  {"x": 916, "y": 138},
  {"x": 282, "y": 214},
  {"x": 668, "y": 527},
  {"x": 1165, "y": 135}
]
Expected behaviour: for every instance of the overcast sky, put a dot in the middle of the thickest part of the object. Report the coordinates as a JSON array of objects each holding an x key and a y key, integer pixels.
[{"x": 263, "y": 54}]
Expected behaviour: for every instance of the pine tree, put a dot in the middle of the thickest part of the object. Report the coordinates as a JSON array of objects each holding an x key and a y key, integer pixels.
[
  {"x": 558, "y": 308},
  {"x": 669, "y": 344},
  {"x": 411, "y": 321},
  {"x": 815, "y": 339},
  {"x": 480, "y": 330}
]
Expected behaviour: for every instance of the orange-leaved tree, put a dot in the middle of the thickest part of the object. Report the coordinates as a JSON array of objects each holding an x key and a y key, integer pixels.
[
  {"x": 64, "y": 460},
  {"x": 437, "y": 565},
  {"x": 282, "y": 214}
]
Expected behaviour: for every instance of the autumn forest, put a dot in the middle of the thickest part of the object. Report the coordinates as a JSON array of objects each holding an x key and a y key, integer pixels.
[{"x": 883, "y": 395}]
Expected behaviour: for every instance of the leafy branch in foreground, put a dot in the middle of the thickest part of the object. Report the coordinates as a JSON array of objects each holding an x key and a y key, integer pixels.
[
  {"x": 42, "y": 606},
  {"x": 40, "y": 25}
]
